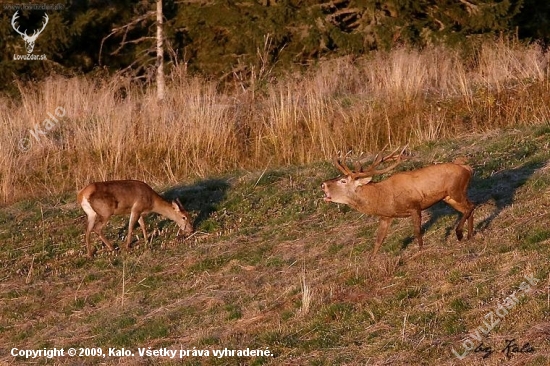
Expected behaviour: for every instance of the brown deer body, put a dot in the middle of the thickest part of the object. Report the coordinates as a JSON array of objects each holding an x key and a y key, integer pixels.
[
  {"x": 101, "y": 200},
  {"x": 403, "y": 194}
]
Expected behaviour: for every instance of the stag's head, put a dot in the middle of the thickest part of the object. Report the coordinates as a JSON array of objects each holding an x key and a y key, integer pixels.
[
  {"x": 343, "y": 188},
  {"x": 29, "y": 40}
]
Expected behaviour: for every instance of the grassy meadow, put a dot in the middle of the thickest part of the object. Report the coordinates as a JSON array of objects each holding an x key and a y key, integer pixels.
[{"x": 271, "y": 265}]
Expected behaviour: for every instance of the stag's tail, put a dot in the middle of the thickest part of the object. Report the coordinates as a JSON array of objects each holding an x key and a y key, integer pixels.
[{"x": 463, "y": 161}]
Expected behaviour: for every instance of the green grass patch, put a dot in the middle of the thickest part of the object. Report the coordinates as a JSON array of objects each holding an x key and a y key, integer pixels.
[{"x": 236, "y": 283}]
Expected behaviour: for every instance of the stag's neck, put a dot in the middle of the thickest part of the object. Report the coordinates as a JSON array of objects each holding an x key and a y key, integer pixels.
[{"x": 370, "y": 199}]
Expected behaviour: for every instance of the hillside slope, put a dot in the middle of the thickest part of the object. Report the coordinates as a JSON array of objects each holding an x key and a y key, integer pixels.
[{"x": 273, "y": 267}]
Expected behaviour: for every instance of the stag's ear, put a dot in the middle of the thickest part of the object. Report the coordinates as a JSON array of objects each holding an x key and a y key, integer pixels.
[{"x": 362, "y": 181}]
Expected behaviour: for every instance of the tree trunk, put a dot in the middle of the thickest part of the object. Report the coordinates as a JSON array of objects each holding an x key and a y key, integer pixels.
[{"x": 160, "y": 54}]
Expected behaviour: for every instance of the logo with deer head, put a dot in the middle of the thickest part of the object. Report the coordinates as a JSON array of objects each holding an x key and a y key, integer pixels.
[{"x": 29, "y": 40}]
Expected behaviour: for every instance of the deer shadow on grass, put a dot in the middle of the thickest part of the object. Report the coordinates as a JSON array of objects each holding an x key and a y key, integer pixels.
[
  {"x": 499, "y": 189},
  {"x": 200, "y": 198},
  {"x": 496, "y": 189}
]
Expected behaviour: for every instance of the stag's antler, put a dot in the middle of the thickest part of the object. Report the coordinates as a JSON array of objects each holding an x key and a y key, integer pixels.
[
  {"x": 371, "y": 170},
  {"x": 338, "y": 164}
]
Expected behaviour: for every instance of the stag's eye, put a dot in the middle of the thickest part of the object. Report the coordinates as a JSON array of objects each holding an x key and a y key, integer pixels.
[{"x": 343, "y": 180}]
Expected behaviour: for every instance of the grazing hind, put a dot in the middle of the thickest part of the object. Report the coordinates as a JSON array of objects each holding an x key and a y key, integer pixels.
[{"x": 101, "y": 200}]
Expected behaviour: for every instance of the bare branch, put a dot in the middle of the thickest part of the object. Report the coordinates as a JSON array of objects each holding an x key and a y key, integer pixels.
[{"x": 126, "y": 28}]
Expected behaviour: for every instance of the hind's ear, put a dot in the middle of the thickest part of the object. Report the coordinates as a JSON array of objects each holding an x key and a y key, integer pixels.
[
  {"x": 180, "y": 205},
  {"x": 176, "y": 206}
]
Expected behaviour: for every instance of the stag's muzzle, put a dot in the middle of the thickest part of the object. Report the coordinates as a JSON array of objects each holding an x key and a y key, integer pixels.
[{"x": 326, "y": 197}]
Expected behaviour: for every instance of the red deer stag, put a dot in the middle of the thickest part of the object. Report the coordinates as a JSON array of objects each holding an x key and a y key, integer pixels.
[
  {"x": 403, "y": 194},
  {"x": 101, "y": 200}
]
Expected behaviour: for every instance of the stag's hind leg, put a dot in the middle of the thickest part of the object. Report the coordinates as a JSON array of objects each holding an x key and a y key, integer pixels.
[{"x": 465, "y": 207}]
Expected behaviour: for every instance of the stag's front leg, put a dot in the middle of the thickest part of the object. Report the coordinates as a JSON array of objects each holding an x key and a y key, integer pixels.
[
  {"x": 383, "y": 226},
  {"x": 416, "y": 216}
]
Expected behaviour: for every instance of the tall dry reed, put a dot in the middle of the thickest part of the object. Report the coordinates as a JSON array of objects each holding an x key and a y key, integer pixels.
[{"x": 112, "y": 129}]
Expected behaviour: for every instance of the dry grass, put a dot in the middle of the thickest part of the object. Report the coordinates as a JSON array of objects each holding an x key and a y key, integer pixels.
[
  {"x": 114, "y": 129},
  {"x": 273, "y": 266}
]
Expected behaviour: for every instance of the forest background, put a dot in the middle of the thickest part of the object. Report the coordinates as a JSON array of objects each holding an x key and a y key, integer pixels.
[{"x": 220, "y": 39}]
